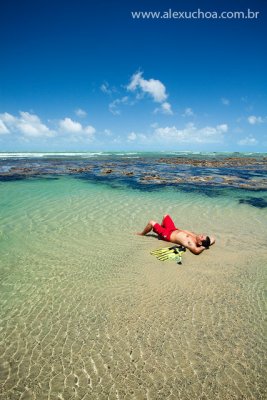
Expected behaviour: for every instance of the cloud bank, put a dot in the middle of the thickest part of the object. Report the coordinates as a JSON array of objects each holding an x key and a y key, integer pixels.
[
  {"x": 192, "y": 134},
  {"x": 29, "y": 126}
]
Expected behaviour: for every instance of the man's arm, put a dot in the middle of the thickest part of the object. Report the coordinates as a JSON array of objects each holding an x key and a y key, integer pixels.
[
  {"x": 193, "y": 247},
  {"x": 212, "y": 240},
  {"x": 196, "y": 250}
]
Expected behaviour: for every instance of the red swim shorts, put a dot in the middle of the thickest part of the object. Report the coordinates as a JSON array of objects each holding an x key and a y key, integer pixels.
[{"x": 165, "y": 229}]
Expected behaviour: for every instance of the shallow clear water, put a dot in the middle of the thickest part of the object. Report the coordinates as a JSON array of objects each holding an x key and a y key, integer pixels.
[{"x": 88, "y": 313}]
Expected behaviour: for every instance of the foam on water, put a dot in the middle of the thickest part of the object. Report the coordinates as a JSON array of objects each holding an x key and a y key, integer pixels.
[
  {"x": 86, "y": 312},
  {"x": 50, "y": 154},
  {"x": 88, "y": 154}
]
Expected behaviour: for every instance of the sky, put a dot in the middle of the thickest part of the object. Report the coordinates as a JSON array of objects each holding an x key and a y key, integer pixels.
[{"x": 87, "y": 76}]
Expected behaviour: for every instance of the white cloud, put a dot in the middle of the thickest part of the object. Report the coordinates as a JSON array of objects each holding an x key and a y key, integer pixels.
[
  {"x": 107, "y": 89},
  {"x": 104, "y": 88},
  {"x": 191, "y": 133},
  {"x": 132, "y": 136},
  {"x": 223, "y": 128},
  {"x": 68, "y": 125},
  {"x": 27, "y": 127},
  {"x": 140, "y": 137},
  {"x": 248, "y": 141},
  {"x": 253, "y": 120},
  {"x": 225, "y": 101},
  {"x": 28, "y": 124},
  {"x": 8, "y": 118},
  {"x": 135, "y": 80},
  {"x": 80, "y": 113},
  {"x": 114, "y": 105},
  {"x": 153, "y": 87},
  {"x": 188, "y": 112},
  {"x": 89, "y": 130},
  {"x": 3, "y": 128},
  {"x": 165, "y": 108}
]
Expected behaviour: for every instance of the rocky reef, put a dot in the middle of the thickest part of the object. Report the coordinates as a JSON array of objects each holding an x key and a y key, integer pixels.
[{"x": 241, "y": 172}]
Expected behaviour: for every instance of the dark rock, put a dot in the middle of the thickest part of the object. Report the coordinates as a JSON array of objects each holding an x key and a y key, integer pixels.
[{"x": 258, "y": 202}]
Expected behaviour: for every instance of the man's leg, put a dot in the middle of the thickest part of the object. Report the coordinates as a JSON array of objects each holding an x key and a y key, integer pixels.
[
  {"x": 148, "y": 228},
  {"x": 168, "y": 223},
  {"x": 163, "y": 220}
]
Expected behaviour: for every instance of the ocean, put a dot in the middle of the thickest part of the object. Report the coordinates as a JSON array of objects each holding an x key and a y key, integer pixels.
[{"x": 86, "y": 312}]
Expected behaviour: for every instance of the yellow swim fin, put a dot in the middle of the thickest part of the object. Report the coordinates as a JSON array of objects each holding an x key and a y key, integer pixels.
[{"x": 169, "y": 253}]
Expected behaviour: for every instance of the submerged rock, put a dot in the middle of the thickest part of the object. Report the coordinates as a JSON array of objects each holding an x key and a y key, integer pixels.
[
  {"x": 258, "y": 202},
  {"x": 225, "y": 162}
]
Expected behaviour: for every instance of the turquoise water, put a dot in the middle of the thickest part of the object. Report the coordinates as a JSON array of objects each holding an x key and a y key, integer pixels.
[{"x": 88, "y": 313}]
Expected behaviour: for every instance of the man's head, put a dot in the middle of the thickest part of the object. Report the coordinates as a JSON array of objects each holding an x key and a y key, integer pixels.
[{"x": 206, "y": 242}]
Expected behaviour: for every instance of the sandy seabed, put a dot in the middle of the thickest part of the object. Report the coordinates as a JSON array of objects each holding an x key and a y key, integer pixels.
[{"x": 88, "y": 313}]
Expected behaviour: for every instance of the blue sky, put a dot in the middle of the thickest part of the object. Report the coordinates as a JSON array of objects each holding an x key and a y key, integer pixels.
[{"x": 81, "y": 75}]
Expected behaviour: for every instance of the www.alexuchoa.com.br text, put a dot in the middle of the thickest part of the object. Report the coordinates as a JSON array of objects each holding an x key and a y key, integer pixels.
[{"x": 196, "y": 14}]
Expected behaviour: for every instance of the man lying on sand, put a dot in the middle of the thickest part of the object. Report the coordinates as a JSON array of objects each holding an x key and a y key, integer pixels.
[{"x": 169, "y": 232}]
